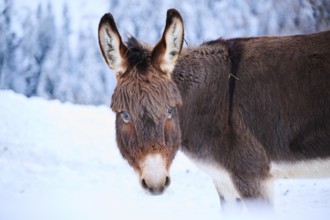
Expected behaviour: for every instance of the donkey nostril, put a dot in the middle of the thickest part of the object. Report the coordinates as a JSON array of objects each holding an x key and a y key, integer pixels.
[
  {"x": 144, "y": 184},
  {"x": 167, "y": 181},
  {"x": 155, "y": 190}
]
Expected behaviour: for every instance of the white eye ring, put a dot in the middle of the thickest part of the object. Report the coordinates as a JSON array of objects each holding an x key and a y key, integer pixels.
[
  {"x": 126, "y": 117},
  {"x": 169, "y": 112}
]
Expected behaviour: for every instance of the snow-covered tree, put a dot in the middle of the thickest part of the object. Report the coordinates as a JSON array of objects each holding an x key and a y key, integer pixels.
[
  {"x": 8, "y": 43},
  {"x": 25, "y": 74},
  {"x": 3, "y": 41},
  {"x": 54, "y": 53},
  {"x": 58, "y": 70},
  {"x": 94, "y": 82},
  {"x": 25, "y": 50},
  {"x": 45, "y": 38}
]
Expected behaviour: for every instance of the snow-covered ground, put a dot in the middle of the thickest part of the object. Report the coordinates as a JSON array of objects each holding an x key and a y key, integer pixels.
[{"x": 60, "y": 161}]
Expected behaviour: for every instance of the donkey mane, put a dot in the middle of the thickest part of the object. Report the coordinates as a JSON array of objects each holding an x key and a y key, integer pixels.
[
  {"x": 138, "y": 55},
  {"x": 128, "y": 95}
]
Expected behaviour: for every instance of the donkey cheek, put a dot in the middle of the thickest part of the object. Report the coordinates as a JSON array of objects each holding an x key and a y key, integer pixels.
[
  {"x": 127, "y": 142},
  {"x": 172, "y": 139},
  {"x": 172, "y": 134},
  {"x": 170, "y": 127},
  {"x": 128, "y": 129}
]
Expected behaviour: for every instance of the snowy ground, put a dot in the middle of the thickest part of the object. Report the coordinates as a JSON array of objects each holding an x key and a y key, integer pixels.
[{"x": 60, "y": 161}]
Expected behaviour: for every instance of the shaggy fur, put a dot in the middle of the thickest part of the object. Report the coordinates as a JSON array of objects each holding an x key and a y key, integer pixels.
[
  {"x": 239, "y": 103},
  {"x": 276, "y": 108},
  {"x": 146, "y": 93}
]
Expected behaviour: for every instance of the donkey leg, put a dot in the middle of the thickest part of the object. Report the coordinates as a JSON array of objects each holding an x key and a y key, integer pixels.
[
  {"x": 254, "y": 198},
  {"x": 229, "y": 196},
  {"x": 254, "y": 184},
  {"x": 236, "y": 192},
  {"x": 229, "y": 202},
  {"x": 267, "y": 190},
  {"x": 251, "y": 171},
  {"x": 249, "y": 188}
]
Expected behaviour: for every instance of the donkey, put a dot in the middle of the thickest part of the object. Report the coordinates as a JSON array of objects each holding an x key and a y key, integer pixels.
[{"x": 246, "y": 110}]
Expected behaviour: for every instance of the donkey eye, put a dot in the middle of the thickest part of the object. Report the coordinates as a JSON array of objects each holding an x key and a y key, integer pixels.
[
  {"x": 126, "y": 117},
  {"x": 169, "y": 112}
]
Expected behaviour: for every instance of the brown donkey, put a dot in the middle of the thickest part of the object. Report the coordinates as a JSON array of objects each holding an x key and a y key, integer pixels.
[{"x": 247, "y": 110}]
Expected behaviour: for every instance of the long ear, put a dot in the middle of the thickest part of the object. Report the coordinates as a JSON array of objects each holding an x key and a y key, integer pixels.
[
  {"x": 112, "y": 47},
  {"x": 168, "y": 48}
]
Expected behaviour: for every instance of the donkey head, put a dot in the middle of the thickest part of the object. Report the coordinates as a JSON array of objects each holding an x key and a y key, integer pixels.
[{"x": 145, "y": 99}]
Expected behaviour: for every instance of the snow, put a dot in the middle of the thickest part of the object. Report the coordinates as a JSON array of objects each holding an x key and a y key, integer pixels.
[{"x": 60, "y": 161}]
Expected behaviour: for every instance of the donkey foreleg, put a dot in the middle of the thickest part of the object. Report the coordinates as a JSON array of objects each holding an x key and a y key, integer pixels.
[
  {"x": 228, "y": 194},
  {"x": 243, "y": 194},
  {"x": 242, "y": 188}
]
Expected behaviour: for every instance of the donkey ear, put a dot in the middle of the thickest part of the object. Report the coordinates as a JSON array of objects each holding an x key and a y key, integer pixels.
[
  {"x": 112, "y": 47},
  {"x": 168, "y": 48}
]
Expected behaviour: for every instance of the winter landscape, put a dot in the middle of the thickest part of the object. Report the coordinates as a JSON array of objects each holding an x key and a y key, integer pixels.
[{"x": 58, "y": 154}]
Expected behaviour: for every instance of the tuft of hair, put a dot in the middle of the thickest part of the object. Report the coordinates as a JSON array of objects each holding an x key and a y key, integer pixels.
[
  {"x": 138, "y": 55},
  {"x": 212, "y": 42}
]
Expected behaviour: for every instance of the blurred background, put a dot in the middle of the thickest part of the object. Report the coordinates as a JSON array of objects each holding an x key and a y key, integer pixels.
[{"x": 50, "y": 49}]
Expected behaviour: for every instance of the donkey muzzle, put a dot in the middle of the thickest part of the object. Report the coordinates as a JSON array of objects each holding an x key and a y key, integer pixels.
[{"x": 154, "y": 176}]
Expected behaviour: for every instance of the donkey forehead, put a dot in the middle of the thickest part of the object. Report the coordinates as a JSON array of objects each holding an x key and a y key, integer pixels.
[
  {"x": 152, "y": 95},
  {"x": 144, "y": 87}
]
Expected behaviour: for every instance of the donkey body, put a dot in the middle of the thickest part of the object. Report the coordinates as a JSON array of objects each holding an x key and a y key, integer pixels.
[
  {"x": 256, "y": 108},
  {"x": 247, "y": 110}
]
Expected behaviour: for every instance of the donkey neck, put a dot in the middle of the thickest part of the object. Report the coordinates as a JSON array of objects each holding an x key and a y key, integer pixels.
[
  {"x": 198, "y": 67},
  {"x": 201, "y": 75}
]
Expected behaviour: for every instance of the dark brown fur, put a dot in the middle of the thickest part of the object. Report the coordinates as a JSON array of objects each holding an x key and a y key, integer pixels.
[
  {"x": 282, "y": 95},
  {"x": 240, "y": 103},
  {"x": 278, "y": 109}
]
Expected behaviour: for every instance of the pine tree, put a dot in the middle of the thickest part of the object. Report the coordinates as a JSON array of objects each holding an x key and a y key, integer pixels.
[
  {"x": 3, "y": 42},
  {"x": 56, "y": 80},
  {"x": 46, "y": 35},
  {"x": 8, "y": 45},
  {"x": 95, "y": 83}
]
